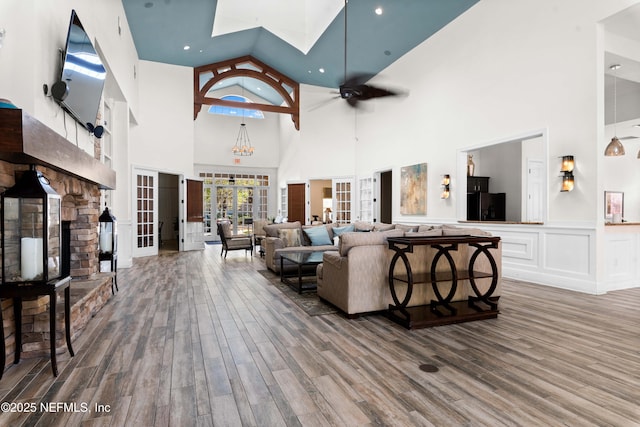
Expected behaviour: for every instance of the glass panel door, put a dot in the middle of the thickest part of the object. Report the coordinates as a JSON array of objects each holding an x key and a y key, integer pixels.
[
  {"x": 145, "y": 202},
  {"x": 342, "y": 199},
  {"x": 235, "y": 204}
]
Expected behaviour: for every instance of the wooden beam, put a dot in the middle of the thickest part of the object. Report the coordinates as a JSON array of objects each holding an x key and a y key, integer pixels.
[
  {"x": 260, "y": 71},
  {"x": 25, "y": 140}
]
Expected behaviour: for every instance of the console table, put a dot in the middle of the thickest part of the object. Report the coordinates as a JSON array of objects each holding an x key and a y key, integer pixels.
[
  {"x": 442, "y": 310},
  {"x": 19, "y": 291}
]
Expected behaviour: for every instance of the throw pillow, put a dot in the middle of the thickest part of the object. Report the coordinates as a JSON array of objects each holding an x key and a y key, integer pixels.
[
  {"x": 318, "y": 235},
  {"x": 383, "y": 227},
  {"x": 363, "y": 226},
  {"x": 337, "y": 231},
  {"x": 346, "y": 229},
  {"x": 290, "y": 236}
]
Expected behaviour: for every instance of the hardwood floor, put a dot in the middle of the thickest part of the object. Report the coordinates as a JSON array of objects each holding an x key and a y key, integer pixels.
[{"x": 194, "y": 340}]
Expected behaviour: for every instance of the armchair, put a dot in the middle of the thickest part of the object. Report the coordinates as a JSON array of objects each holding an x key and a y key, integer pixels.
[{"x": 232, "y": 242}]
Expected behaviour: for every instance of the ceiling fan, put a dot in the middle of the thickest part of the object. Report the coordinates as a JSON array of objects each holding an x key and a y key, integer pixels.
[{"x": 354, "y": 88}]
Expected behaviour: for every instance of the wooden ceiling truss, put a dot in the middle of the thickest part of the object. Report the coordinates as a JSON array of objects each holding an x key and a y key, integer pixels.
[{"x": 260, "y": 71}]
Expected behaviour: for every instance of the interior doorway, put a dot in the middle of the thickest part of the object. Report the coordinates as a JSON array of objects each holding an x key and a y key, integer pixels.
[
  {"x": 320, "y": 199},
  {"x": 386, "y": 195},
  {"x": 168, "y": 204},
  {"x": 296, "y": 199}
]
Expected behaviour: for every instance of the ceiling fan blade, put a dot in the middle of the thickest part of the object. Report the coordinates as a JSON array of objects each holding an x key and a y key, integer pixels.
[
  {"x": 628, "y": 137},
  {"x": 323, "y": 103}
]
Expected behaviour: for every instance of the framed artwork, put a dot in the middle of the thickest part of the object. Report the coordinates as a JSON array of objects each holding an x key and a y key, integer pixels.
[
  {"x": 413, "y": 189},
  {"x": 613, "y": 205}
]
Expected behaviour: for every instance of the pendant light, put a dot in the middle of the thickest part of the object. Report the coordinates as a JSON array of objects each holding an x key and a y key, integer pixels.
[
  {"x": 615, "y": 147},
  {"x": 243, "y": 145}
]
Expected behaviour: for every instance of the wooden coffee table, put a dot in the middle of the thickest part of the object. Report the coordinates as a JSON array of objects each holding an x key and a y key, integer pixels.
[{"x": 303, "y": 260}]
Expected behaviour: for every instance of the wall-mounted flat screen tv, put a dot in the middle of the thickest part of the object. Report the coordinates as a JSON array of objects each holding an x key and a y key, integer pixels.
[{"x": 79, "y": 88}]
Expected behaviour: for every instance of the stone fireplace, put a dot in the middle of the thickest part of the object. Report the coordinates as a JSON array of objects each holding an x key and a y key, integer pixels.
[{"x": 77, "y": 177}]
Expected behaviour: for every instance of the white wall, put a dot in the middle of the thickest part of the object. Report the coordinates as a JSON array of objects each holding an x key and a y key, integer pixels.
[
  {"x": 499, "y": 70},
  {"x": 216, "y": 135},
  {"x": 36, "y": 32},
  {"x": 163, "y": 139}
]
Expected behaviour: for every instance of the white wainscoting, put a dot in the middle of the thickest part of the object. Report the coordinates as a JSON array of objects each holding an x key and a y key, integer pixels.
[
  {"x": 563, "y": 257},
  {"x": 621, "y": 250},
  {"x": 125, "y": 242}
]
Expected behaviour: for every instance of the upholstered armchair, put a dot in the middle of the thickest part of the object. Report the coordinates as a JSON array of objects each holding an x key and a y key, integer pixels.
[{"x": 231, "y": 242}]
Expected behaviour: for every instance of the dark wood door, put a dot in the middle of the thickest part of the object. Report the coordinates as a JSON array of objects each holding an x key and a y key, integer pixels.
[
  {"x": 195, "y": 211},
  {"x": 295, "y": 197},
  {"x": 386, "y": 195}
]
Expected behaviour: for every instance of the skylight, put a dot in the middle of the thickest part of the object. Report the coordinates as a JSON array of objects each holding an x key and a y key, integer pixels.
[{"x": 236, "y": 112}]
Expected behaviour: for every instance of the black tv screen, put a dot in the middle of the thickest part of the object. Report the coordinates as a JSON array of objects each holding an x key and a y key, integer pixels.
[{"x": 83, "y": 76}]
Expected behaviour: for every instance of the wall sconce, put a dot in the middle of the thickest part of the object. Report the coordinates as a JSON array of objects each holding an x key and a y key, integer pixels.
[
  {"x": 567, "y": 173},
  {"x": 446, "y": 181}
]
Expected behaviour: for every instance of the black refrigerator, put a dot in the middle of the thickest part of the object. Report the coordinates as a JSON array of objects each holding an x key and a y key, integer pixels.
[{"x": 485, "y": 206}]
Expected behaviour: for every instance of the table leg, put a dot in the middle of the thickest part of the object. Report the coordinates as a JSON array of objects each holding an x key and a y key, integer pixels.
[
  {"x": 52, "y": 332},
  {"x": 281, "y": 270},
  {"x": 67, "y": 318},
  {"x": 17, "y": 318},
  {"x": 3, "y": 357},
  {"x": 300, "y": 278}
]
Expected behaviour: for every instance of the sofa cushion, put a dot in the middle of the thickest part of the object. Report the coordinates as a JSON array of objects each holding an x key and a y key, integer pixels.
[
  {"x": 383, "y": 227},
  {"x": 451, "y": 230},
  {"x": 429, "y": 233},
  {"x": 406, "y": 227},
  {"x": 318, "y": 235},
  {"x": 341, "y": 230},
  {"x": 272, "y": 229},
  {"x": 290, "y": 236},
  {"x": 427, "y": 227},
  {"x": 350, "y": 240},
  {"x": 363, "y": 226}
]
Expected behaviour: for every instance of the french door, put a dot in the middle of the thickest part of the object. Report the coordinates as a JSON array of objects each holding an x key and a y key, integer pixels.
[
  {"x": 145, "y": 203},
  {"x": 190, "y": 215},
  {"x": 236, "y": 204},
  {"x": 343, "y": 205}
]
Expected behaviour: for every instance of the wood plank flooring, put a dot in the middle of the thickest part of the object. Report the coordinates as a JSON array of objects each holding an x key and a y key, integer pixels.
[{"x": 195, "y": 340}]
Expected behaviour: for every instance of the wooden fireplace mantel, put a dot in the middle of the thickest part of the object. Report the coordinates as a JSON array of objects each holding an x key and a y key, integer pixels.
[{"x": 25, "y": 140}]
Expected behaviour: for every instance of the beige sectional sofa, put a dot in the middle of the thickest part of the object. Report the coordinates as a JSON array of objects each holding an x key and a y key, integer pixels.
[{"x": 355, "y": 278}]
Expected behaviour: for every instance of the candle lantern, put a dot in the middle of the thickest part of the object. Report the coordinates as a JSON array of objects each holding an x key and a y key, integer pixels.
[
  {"x": 31, "y": 231},
  {"x": 108, "y": 243}
]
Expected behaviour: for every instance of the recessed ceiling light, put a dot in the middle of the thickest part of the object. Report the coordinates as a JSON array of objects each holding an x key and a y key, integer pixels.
[
  {"x": 378, "y": 10},
  {"x": 636, "y": 126},
  {"x": 321, "y": 70},
  {"x": 187, "y": 47},
  {"x": 309, "y": 71}
]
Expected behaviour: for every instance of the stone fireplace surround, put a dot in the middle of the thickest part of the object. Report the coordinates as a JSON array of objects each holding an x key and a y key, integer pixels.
[{"x": 77, "y": 177}]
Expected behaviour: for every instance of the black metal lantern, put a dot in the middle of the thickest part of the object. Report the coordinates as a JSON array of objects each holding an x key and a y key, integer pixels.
[
  {"x": 108, "y": 233},
  {"x": 108, "y": 243},
  {"x": 31, "y": 231}
]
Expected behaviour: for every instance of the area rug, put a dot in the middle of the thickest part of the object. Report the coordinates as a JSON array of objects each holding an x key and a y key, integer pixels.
[{"x": 308, "y": 301}]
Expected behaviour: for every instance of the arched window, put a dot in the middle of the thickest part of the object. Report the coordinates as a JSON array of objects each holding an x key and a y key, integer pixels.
[{"x": 236, "y": 112}]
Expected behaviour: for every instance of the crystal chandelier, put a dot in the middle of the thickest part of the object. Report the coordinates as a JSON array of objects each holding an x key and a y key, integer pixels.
[{"x": 243, "y": 145}]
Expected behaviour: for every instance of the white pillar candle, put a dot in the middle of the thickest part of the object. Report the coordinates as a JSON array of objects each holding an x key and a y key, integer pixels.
[
  {"x": 31, "y": 258},
  {"x": 106, "y": 241}
]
